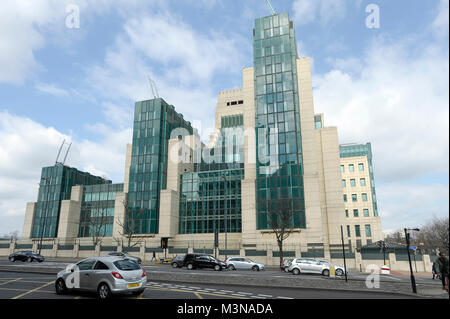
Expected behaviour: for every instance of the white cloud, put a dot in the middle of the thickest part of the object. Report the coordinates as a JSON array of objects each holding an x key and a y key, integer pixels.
[
  {"x": 396, "y": 101},
  {"x": 324, "y": 11},
  {"x": 182, "y": 61},
  {"x": 26, "y": 146},
  {"x": 25, "y": 24},
  {"x": 441, "y": 22},
  {"x": 411, "y": 205},
  {"x": 51, "y": 89}
]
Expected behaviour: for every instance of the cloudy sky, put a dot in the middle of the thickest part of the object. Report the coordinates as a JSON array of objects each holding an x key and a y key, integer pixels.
[{"x": 387, "y": 85}]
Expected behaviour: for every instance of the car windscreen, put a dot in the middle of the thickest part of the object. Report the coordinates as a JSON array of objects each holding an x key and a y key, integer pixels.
[{"x": 126, "y": 265}]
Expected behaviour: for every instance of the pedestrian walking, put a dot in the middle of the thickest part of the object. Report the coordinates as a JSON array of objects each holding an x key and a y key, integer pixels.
[
  {"x": 442, "y": 268},
  {"x": 434, "y": 270}
]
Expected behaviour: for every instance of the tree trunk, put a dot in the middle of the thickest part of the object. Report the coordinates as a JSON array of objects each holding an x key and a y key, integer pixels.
[{"x": 280, "y": 246}]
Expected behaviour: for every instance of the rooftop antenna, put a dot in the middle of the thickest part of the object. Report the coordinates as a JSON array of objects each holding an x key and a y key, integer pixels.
[
  {"x": 153, "y": 88},
  {"x": 59, "y": 153},
  {"x": 270, "y": 7}
]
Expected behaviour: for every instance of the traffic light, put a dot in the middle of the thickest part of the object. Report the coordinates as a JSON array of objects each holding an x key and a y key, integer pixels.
[{"x": 164, "y": 243}]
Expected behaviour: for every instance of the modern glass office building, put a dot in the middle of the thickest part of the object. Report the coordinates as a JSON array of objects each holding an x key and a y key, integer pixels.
[
  {"x": 154, "y": 121},
  {"x": 270, "y": 153},
  {"x": 280, "y": 180},
  {"x": 97, "y": 210},
  {"x": 56, "y": 186}
]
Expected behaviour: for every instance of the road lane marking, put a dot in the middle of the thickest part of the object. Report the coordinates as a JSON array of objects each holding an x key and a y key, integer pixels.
[
  {"x": 245, "y": 293},
  {"x": 13, "y": 280},
  {"x": 203, "y": 293},
  {"x": 33, "y": 290},
  {"x": 267, "y": 296},
  {"x": 198, "y": 295},
  {"x": 284, "y": 297}
]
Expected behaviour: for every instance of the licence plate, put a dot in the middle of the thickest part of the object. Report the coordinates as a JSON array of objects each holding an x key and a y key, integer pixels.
[{"x": 133, "y": 285}]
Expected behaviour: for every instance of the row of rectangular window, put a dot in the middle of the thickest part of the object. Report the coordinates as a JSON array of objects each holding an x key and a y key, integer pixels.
[
  {"x": 358, "y": 231},
  {"x": 355, "y": 197},
  {"x": 356, "y": 212},
  {"x": 351, "y": 167},
  {"x": 362, "y": 182}
]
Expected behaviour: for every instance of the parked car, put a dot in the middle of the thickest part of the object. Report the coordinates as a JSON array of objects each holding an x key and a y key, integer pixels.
[
  {"x": 103, "y": 275},
  {"x": 234, "y": 263},
  {"x": 338, "y": 270},
  {"x": 177, "y": 261},
  {"x": 285, "y": 264},
  {"x": 29, "y": 256},
  {"x": 125, "y": 255},
  {"x": 192, "y": 261},
  {"x": 308, "y": 265}
]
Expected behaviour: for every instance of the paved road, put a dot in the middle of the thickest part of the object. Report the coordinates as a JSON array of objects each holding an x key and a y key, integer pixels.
[
  {"x": 265, "y": 273},
  {"x": 36, "y": 286}
]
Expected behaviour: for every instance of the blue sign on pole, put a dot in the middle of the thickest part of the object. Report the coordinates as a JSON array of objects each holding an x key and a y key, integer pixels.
[{"x": 413, "y": 247}]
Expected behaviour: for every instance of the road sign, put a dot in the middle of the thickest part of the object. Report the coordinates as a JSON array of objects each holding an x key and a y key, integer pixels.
[{"x": 413, "y": 247}]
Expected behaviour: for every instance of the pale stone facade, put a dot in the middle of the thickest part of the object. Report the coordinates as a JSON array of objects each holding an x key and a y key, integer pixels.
[{"x": 323, "y": 190}]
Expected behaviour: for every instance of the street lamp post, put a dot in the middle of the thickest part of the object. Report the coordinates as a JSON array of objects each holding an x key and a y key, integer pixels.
[
  {"x": 45, "y": 210},
  {"x": 343, "y": 253},
  {"x": 413, "y": 280},
  {"x": 226, "y": 219}
]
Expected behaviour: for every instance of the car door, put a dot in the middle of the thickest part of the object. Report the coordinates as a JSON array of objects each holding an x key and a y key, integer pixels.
[
  {"x": 200, "y": 261},
  {"x": 247, "y": 263},
  {"x": 99, "y": 272},
  {"x": 305, "y": 265},
  {"x": 85, "y": 273},
  {"x": 316, "y": 266}
]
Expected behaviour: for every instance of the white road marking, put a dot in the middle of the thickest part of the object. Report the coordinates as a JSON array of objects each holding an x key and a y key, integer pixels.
[{"x": 267, "y": 296}]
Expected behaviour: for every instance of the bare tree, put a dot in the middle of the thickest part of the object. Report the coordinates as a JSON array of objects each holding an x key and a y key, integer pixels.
[
  {"x": 434, "y": 234},
  {"x": 396, "y": 237},
  {"x": 128, "y": 225},
  {"x": 97, "y": 223},
  {"x": 281, "y": 222}
]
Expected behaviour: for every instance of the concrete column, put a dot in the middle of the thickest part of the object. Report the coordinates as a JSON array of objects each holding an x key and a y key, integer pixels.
[
  {"x": 119, "y": 215},
  {"x": 392, "y": 260},
  {"x": 427, "y": 265},
  {"x": 29, "y": 219},
  {"x": 358, "y": 261}
]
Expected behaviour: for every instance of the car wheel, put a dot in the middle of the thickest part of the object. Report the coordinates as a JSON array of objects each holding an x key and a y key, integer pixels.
[
  {"x": 296, "y": 271},
  {"x": 217, "y": 268},
  {"x": 190, "y": 266},
  {"x": 339, "y": 272},
  {"x": 103, "y": 291},
  {"x": 30, "y": 260},
  {"x": 231, "y": 267},
  {"x": 137, "y": 293},
  {"x": 60, "y": 287},
  {"x": 326, "y": 272},
  {"x": 255, "y": 268},
  {"x": 12, "y": 259},
  {"x": 174, "y": 265}
]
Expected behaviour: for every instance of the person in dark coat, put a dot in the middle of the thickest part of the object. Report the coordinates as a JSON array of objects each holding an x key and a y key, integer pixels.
[{"x": 442, "y": 268}]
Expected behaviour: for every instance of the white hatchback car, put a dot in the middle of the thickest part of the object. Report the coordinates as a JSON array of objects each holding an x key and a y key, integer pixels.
[
  {"x": 313, "y": 266},
  {"x": 234, "y": 263}
]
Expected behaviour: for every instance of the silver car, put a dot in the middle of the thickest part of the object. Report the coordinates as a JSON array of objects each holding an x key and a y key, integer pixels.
[
  {"x": 338, "y": 270},
  {"x": 234, "y": 263},
  {"x": 104, "y": 275},
  {"x": 308, "y": 265}
]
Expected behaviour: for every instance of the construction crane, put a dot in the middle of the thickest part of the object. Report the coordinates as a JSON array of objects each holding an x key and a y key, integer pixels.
[
  {"x": 270, "y": 7},
  {"x": 59, "y": 153},
  {"x": 153, "y": 88}
]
